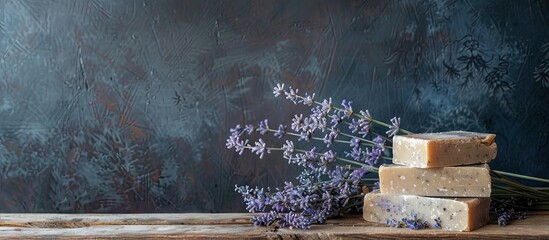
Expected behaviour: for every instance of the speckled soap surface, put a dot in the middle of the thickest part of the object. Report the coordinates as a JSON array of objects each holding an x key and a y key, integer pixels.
[
  {"x": 443, "y": 149},
  {"x": 463, "y": 181},
  {"x": 455, "y": 214}
]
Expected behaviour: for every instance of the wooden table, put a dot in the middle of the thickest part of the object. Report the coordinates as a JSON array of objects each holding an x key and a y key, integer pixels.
[{"x": 233, "y": 225}]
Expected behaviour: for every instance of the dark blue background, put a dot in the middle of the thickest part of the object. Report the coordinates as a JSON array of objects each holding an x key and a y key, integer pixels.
[{"x": 124, "y": 106}]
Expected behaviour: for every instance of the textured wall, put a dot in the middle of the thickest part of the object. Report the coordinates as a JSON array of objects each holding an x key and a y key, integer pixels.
[{"x": 124, "y": 106}]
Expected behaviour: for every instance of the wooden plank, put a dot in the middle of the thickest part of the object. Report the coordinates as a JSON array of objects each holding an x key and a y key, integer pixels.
[
  {"x": 162, "y": 226},
  {"x": 75, "y": 220}
]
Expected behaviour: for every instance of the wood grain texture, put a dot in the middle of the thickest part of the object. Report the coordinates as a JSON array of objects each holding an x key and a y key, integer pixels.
[{"x": 237, "y": 226}]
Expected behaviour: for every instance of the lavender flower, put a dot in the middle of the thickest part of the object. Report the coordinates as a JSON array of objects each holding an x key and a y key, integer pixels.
[
  {"x": 241, "y": 145},
  {"x": 279, "y": 89},
  {"x": 412, "y": 223},
  {"x": 327, "y": 105},
  {"x": 437, "y": 223},
  {"x": 308, "y": 99},
  {"x": 356, "y": 154},
  {"x": 376, "y": 186},
  {"x": 373, "y": 156},
  {"x": 281, "y": 131},
  {"x": 505, "y": 212},
  {"x": 327, "y": 158},
  {"x": 260, "y": 148},
  {"x": 306, "y": 135},
  {"x": 249, "y": 129},
  {"x": 380, "y": 142},
  {"x": 395, "y": 127},
  {"x": 415, "y": 223},
  {"x": 337, "y": 118},
  {"x": 347, "y": 109},
  {"x": 295, "y": 220},
  {"x": 297, "y": 122},
  {"x": 318, "y": 117},
  {"x": 307, "y": 125},
  {"x": 266, "y": 219},
  {"x": 236, "y": 131},
  {"x": 288, "y": 149},
  {"x": 255, "y": 199},
  {"x": 358, "y": 173},
  {"x": 362, "y": 125},
  {"x": 263, "y": 127},
  {"x": 231, "y": 141},
  {"x": 331, "y": 136},
  {"x": 505, "y": 216},
  {"x": 355, "y": 142},
  {"x": 292, "y": 95}
]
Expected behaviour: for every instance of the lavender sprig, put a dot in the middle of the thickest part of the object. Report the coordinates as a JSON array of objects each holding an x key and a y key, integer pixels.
[{"x": 292, "y": 95}]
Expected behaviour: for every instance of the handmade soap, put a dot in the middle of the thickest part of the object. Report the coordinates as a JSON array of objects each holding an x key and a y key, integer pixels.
[
  {"x": 455, "y": 214},
  {"x": 464, "y": 181},
  {"x": 443, "y": 149}
]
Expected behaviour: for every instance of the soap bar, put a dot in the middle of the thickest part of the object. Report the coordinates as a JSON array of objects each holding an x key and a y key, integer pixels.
[
  {"x": 464, "y": 181},
  {"x": 454, "y": 214},
  {"x": 443, "y": 149}
]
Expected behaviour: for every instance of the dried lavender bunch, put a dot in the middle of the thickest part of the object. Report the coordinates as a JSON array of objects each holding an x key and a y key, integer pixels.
[
  {"x": 505, "y": 212},
  {"x": 332, "y": 180}
]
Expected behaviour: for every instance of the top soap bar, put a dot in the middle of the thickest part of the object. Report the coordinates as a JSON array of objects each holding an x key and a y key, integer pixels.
[{"x": 444, "y": 149}]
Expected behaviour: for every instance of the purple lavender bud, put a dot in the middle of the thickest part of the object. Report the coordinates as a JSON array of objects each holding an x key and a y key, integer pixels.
[
  {"x": 292, "y": 95},
  {"x": 297, "y": 122},
  {"x": 358, "y": 173},
  {"x": 437, "y": 223},
  {"x": 254, "y": 199},
  {"x": 354, "y": 125},
  {"x": 307, "y": 125},
  {"x": 249, "y": 129},
  {"x": 331, "y": 136},
  {"x": 279, "y": 89},
  {"x": 231, "y": 141},
  {"x": 288, "y": 149},
  {"x": 307, "y": 135},
  {"x": 260, "y": 148},
  {"x": 393, "y": 223},
  {"x": 364, "y": 123},
  {"x": 356, "y": 154},
  {"x": 327, "y": 105},
  {"x": 374, "y": 156},
  {"x": 336, "y": 119},
  {"x": 236, "y": 131},
  {"x": 263, "y": 127},
  {"x": 347, "y": 109},
  {"x": 376, "y": 186},
  {"x": 294, "y": 220},
  {"x": 281, "y": 131},
  {"x": 355, "y": 142},
  {"x": 395, "y": 127},
  {"x": 241, "y": 145},
  {"x": 308, "y": 99},
  {"x": 380, "y": 142},
  {"x": 266, "y": 219},
  {"x": 328, "y": 157}
]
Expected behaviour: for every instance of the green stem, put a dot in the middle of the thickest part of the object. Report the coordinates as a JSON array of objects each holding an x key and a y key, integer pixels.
[{"x": 521, "y": 176}]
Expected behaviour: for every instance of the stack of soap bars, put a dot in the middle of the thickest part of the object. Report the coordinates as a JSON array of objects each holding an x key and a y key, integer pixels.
[{"x": 441, "y": 178}]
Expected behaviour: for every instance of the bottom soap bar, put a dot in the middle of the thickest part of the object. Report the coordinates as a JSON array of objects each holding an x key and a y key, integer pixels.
[{"x": 455, "y": 214}]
